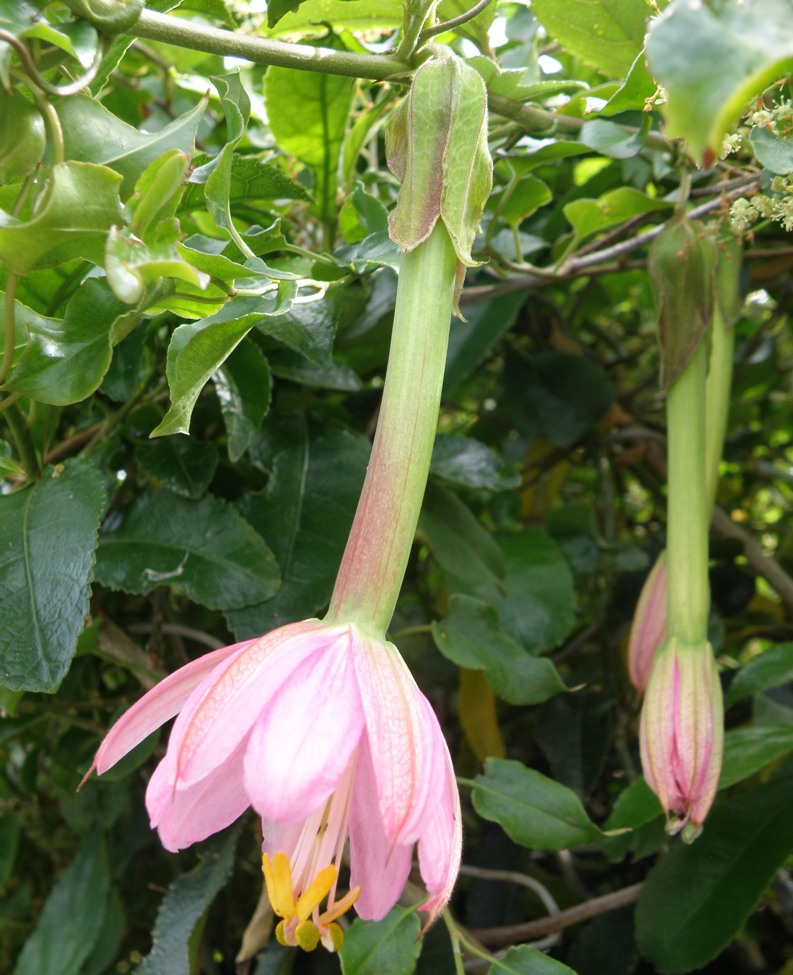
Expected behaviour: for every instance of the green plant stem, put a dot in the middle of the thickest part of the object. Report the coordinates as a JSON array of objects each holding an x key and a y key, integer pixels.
[
  {"x": 23, "y": 440},
  {"x": 381, "y": 537},
  {"x": 199, "y": 37},
  {"x": 9, "y": 325},
  {"x": 688, "y": 512},
  {"x": 717, "y": 399}
]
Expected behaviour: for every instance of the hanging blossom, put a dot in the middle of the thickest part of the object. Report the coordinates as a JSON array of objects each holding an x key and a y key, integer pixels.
[{"x": 323, "y": 731}]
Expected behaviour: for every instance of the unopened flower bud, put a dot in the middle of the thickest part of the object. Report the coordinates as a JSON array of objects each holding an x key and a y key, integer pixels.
[{"x": 648, "y": 630}]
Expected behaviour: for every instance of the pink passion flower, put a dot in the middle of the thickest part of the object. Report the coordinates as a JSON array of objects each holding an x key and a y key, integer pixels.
[{"x": 321, "y": 729}]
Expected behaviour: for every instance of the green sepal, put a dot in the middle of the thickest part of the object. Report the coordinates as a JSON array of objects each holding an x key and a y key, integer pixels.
[
  {"x": 436, "y": 145},
  {"x": 681, "y": 264}
]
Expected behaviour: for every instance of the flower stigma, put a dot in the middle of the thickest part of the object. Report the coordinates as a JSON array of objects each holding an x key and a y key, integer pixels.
[{"x": 299, "y": 882}]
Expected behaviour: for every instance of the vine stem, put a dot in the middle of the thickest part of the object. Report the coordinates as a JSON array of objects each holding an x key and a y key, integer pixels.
[
  {"x": 9, "y": 338},
  {"x": 24, "y": 442}
]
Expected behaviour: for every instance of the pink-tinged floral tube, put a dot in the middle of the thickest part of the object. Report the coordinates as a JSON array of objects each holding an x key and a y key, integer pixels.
[
  {"x": 648, "y": 629},
  {"x": 322, "y": 729},
  {"x": 682, "y": 734}
]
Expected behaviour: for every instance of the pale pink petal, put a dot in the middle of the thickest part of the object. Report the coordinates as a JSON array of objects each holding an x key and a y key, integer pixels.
[
  {"x": 158, "y": 706},
  {"x": 393, "y": 728},
  {"x": 440, "y": 845},
  {"x": 280, "y": 837},
  {"x": 305, "y": 737},
  {"x": 185, "y": 816},
  {"x": 378, "y": 865},
  {"x": 648, "y": 629},
  {"x": 432, "y": 767},
  {"x": 222, "y": 711}
]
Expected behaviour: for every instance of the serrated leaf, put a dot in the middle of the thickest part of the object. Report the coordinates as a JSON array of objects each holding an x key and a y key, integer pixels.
[
  {"x": 182, "y": 908},
  {"x": 181, "y": 464},
  {"x": 387, "y": 947},
  {"x": 535, "y": 811},
  {"x": 72, "y": 917},
  {"x": 92, "y": 134},
  {"x": 243, "y": 385},
  {"x": 525, "y": 960},
  {"x": 47, "y": 541},
  {"x": 316, "y": 472},
  {"x": 607, "y": 34},
  {"x": 688, "y": 48},
  {"x": 76, "y": 210},
  {"x": 681, "y": 925},
  {"x": 203, "y": 549},
  {"x": 472, "y": 637},
  {"x": 251, "y": 178}
]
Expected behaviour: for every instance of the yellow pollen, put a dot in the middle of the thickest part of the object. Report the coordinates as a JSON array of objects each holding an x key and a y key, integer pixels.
[{"x": 297, "y": 928}]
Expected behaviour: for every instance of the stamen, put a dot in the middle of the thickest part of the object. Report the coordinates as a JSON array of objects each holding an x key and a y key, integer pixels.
[
  {"x": 316, "y": 892},
  {"x": 278, "y": 879},
  {"x": 340, "y": 907}
]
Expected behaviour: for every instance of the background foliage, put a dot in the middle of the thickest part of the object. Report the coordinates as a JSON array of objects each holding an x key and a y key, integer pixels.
[{"x": 198, "y": 292}]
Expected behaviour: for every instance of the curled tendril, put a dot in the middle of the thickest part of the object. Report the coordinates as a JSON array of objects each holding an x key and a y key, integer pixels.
[{"x": 35, "y": 76}]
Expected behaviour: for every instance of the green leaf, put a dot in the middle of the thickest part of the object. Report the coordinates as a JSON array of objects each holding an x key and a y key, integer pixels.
[
  {"x": 251, "y": 179},
  {"x": 527, "y": 196},
  {"x": 22, "y": 136},
  {"x": 316, "y": 472},
  {"x": 243, "y": 387},
  {"x": 769, "y": 669},
  {"x": 748, "y": 750},
  {"x": 591, "y": 216},
  {"x": 181, "y": 464},
  {"x": 388, "y": 947},
  {"x": 203, "y": 549},
  {"x": 462, "y": 546},
  {"x": 534, "y": 810},
  {"x": 76, "y": 210},
  {"x": 132, "y": 266},
  {"x": 200, "y": 348},
  {"x": 607, "y": 34},
  {"x": 610, "y": 139},
  {"x": 174, "y": 948},
  {"x": 313, "y": 16},
  {"x": 47, "y": 537},
  {"x": 472, "y": 637},
  {"x": 9, "y": 845},
  {"x": 308, "y": 114},
  {"x": 688, "y": 49},
  {"x": 72, "y": 918},
  {"x": 65, "y": 361},
  {"x": 471, "y": 464},
  {"x": 93, "y": 134},
  {"x": 772, "y": 152},
  {"x": 471, "y": 341},
  {"x": 525, "y": 960},
  {"x": 681, "y": 924}
]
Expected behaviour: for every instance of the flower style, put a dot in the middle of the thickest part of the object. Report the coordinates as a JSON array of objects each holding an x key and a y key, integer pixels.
[
  {"x": 648, "y": 629},
  {"x": 322, "y": 730},
  {"x": 682, "y": 734}
]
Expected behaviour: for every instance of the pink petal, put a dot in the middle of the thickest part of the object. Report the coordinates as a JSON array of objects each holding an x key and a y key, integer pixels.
[
  {"x": 303, "y": 741},
  {"x": 378, "y": 865},
  {"x": 222, "y": 711},
  {"x": 393, "y": 725},
  {"x": 185, "y": 816},
  {"x": 280, "y": 837},
  {"x": 158, "y": 706},
  {"x": 440, "y": 845}
]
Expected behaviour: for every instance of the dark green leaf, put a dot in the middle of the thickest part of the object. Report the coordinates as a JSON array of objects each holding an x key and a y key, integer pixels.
[
  {"x": 688, "y": 49},
  {"x": 387, "y": 947},
  {"x": 772, "y": 152},
  {"x": 611, "y": 139},
  {"x": 22, "y": 136},
  {"x": 470, "y": 463},
  {"x": 72, "y": 917},
  {"x": 472, "y": 637},
  {"x": 182, "y": 908},
  {"x": 605, "y": 33},
  {"x": 47, "y": 541},
  {"x": 93, "y": 134},
  {"x": 9, "y": 844},
  {"x": 471, "y": 341},
  {"x": 748, "y": 750},
  {"x": 769, "y": 669},
  {"x": 525, "y": 960},
  {"x": 534, "y": 810},
  {"x": 76, "y": 210},
  {"x": 203, "y": 549},
  {"x": 251, "y": 178},
  {"x": 697, "y": 898},
  {"x": 305, "y": 513},
  {"x": 243, "y": 387},
  {"x": 181, "y": 464}
]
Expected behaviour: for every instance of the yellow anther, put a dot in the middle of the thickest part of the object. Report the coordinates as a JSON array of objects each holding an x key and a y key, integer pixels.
[
  {"x": 307, "y": 935},
  {"x": 340, "y": 907},
  {"x": 316, "y": 892},
  {"x": 278, "y": 879},
  {"x": 333, "y": 937},
  {"x": 280, "y": 934}
]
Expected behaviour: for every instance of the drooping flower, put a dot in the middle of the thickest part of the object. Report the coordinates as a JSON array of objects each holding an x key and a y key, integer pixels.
[
  {"x": 648, "y": 629},
  {"x": 322, "y": 730},
  {"x": 682, "y": 734}
]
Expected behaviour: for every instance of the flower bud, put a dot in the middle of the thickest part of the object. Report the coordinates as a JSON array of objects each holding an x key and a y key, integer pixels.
[
  {"x": 682, "y": 734},
  {"x": 648, "y": 630}
]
